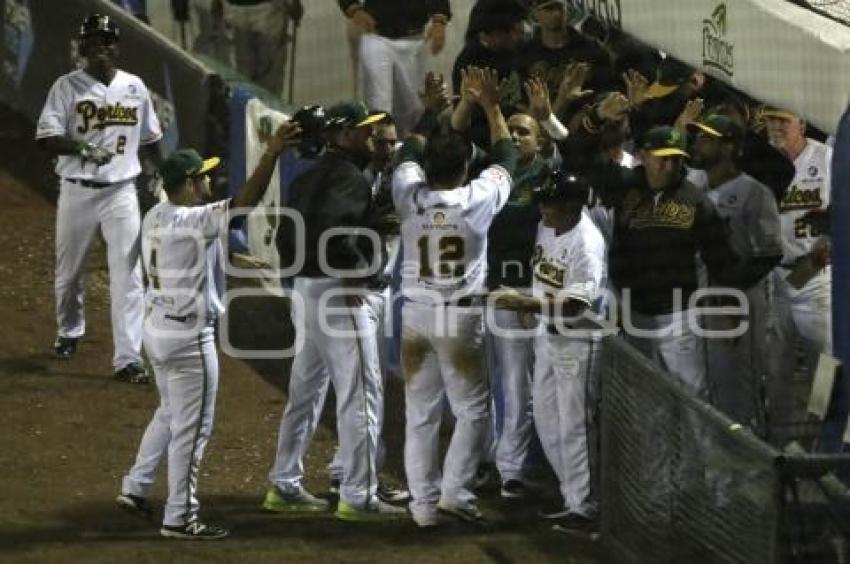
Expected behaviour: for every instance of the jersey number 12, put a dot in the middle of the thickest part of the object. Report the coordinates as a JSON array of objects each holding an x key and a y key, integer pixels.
[{"x": 451, "y": 252}]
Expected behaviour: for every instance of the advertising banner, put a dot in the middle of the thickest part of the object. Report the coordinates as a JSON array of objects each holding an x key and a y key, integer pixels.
[{"x": 774, "y": 51}]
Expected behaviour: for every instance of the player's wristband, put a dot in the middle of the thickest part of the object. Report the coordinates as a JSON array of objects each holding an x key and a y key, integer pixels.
[{"x": 553, "y": 126}]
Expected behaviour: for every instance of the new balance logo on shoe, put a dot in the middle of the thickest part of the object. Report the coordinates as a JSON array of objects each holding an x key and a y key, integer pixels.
[{"x": 194, "y": 530}]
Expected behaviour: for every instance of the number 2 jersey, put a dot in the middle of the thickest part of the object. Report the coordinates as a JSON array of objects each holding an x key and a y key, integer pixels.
[
  {"x": 118, "y": 118},
  {"x": 444, "y": 232},
  {"x": 184, "y": 260},
  {"x": 808, "y": 191}
]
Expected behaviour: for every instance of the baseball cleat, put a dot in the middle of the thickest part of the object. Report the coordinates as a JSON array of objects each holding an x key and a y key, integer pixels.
[
  {"x": 301, "y": 501},
  {"x": 426, "y": 520},
  {"x": 134, "y": 373},
  {"x": 468, "y": 512},
  {"x": 135, "y": 504},
  {"x": 195, "y": 530},
  {"x": 514, "y": 489},
  {"x": 575, "y": 523},
  {"x": 390, "y": 494},
  {"x": 552, "y": 515},
  {"x": 376, "y": 511},
  {"x": 65, "y": 347}
]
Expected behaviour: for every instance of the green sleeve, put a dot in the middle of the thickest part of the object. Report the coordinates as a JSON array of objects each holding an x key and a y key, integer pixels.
[{"x": 504, "y": 153}]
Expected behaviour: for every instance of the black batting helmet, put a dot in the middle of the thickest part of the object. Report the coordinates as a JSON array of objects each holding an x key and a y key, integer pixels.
[
  {"x": 564, "y": 186},
  {"x": 98, "y": 24}
]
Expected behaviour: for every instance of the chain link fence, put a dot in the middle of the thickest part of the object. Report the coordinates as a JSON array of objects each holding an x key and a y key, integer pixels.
[{"x": 680, "y": 482}]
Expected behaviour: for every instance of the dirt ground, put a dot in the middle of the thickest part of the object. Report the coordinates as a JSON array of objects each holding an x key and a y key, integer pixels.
[{"x": 69, "y": 431}]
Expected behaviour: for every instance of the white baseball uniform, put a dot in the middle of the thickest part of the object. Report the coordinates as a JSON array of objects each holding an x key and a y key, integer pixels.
[
  {"x": 444, "y": 237},
  {"x": 117, "y": 117},
  {"x": 737, "y": 366},
  {"x": 804, "y": 313},
  {"x": 378, "y": 303},
  {"x": 184, "y": 263},
  {"x": 569, "y": 265}
]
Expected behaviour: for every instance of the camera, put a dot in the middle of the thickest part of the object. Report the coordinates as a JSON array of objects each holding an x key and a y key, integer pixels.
[{"x": 312, "y": 121}]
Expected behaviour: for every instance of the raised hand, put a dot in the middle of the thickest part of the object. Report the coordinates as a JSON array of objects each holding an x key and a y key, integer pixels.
[
  {"x": 693, "y": 109},
  {"x": 470, "y": 84},
  {"x": 572, "y": 83},
  {"x": 637, "y": 86},
  {"x": 537, "y": 92},
  {"x": 435, "y": 95},
  {"x": 613, "y": 107},
  {"x": 288, "y": 135},
  {"x": 489, "y": 95}
]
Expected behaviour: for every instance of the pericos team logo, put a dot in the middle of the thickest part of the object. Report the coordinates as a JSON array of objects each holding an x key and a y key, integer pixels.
[{"x": 717, "y": 51}]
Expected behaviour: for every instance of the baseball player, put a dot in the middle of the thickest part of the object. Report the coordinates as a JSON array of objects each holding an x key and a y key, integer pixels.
[
  {"x": 736, "y": 366},
  {"x": 803, "y": 279},
  {"x": 334, "y": 194},
  {"x": 444, "y": 227},
  {"x": 661, "y": 224},
  {"x": 184, "y": 263},
  {"x": 569, "y": 270},
  {"x": 390, "y": 59},
  {"x": 379, "y": 301},
  {"x": 94, "y": 120}
]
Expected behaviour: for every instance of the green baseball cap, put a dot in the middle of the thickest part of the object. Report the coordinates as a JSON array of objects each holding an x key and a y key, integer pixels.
[
  {"x": 183, "y": 164},
  {"x": 352, "y": 113},
  {"x": 719, "y": 126},
  {"x": 665, "y": 141}
]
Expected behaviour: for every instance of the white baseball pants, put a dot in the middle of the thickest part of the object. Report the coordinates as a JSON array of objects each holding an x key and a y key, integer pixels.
[
  {"x": 186, "y": 371},
  {"x": 377, "y": 303},
  {"x": 562, "y": 401},
  {"x": 511, "y": 365},
  {"x": 258, "y": 41},
  {"x": 443, "y": 357},
  {"x": 673, "y": 346},
  {"x": 391, "y": 74},
  {"x": 331, "y": 353},
  {"x": 80, "y": 212}
]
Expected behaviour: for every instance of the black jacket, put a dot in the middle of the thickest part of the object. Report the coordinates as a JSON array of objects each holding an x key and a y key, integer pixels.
[
  {"x": 656, "y": 240},
  {"x": 332, "y": 193}
]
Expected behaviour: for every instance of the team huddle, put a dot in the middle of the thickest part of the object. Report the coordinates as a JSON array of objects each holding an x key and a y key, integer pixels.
[{"x": 513, "y": 244}]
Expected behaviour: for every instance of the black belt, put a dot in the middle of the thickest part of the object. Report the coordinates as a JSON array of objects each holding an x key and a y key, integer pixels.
[
  {"x": 180, "y": 318},
  {"x": 88, "y": 183},
  {"x": 554, "y": 329},
  {"x": 467, "y": 301}
]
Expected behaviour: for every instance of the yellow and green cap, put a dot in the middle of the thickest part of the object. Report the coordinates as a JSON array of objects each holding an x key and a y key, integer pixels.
[
  {"x": 183, "y": 164},
  {"x": 665, "y": 141},
  {"x": 352, "y": 113},
  {"x": 720, "y": 126}
]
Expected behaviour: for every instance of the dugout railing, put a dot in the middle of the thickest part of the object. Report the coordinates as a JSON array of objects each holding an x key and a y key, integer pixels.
[{"x": 682, "y": 483}]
